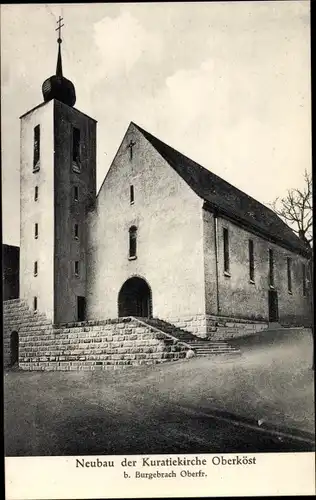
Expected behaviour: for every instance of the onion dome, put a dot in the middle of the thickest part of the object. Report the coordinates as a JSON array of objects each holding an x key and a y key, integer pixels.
[{"x": 57, "y": 86}]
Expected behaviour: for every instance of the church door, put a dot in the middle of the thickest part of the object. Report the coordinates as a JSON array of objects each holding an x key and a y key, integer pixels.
[
  {"x": 273, "y": 306},
  {"x": 81, "y": 308},
  {"x": 135, "y": 299},
  {"x": 14, "y": 348}
]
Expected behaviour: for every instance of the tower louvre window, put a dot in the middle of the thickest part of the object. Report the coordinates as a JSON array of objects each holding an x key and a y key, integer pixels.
[
  {"x": 289, "y": 274},
  {"x": 251, "y": 261},
  {"x": 131, "y": 194},
  {"x": 271, "y": 268},
  {"x": 76, "y": 231},
  {"x": 76, "y": 149},
  {"x": 35, "y": 268},
  {"x": 36, "y": 193},
  {"x": 77, "y": 268},
  {"x": 132, "y": 242},
  {"x": 36, "y": 148},
  {"x": 35, "y": 303},
  {"x": 226, "y": 249},
  {"x": 36, "y": 231},
  {"x": 76, "y": 193}
]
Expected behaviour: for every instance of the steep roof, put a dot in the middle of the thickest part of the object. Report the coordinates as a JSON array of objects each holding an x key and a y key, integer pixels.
[{"x": 227, "y": 199}]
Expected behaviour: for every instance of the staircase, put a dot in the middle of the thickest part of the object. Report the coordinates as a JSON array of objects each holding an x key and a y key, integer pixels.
[
  {"x": 17, "y": 315},
  {"x": 98, "y": 345},
  {"x": 201, "y": 347}
]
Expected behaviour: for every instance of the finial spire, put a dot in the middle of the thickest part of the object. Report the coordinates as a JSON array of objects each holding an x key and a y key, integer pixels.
[
  {"x": 57, "y": 86},
  {"x": 59, "y": 69}
]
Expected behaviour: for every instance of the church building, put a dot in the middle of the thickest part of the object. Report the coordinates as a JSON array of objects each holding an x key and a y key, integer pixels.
[{"x": 164, "y": 240}]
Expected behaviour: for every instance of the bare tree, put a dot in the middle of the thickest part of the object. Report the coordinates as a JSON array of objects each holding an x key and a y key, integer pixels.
[{"x": 297, "y": 211}]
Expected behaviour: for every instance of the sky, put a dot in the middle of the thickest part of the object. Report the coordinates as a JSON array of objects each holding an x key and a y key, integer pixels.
[{"x": 225, "y": 83}]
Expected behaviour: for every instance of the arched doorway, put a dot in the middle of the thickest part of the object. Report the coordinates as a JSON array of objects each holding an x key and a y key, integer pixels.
[
  {"x": 14, "y": 348},
  {"x": 135, "y": 299}
]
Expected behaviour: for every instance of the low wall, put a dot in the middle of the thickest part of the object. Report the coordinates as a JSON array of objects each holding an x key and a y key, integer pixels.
[
  {"x": 217, "y": 327},
  {"x": 89, "y": 345},
  {"x": 17, "y": 317}
]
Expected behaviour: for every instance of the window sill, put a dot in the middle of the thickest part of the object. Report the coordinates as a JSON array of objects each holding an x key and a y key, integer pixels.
[
  {"x": 134, "y": 257},
  {"x": 290, "y": 292},
  {"x": 36, "y": 168},
  {"x": 272, "y": 287},
  {"x": 132, "y": 202},
  {"x": 35, "y": 275},
  {"x": 252, "y": 282},
  {"x": 227, "y": 274}
]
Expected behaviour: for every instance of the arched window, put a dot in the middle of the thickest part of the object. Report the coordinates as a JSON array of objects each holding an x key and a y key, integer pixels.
[{"x": 132, "y": 242}]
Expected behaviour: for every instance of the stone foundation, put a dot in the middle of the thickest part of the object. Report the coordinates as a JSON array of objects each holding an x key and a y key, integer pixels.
[
  {"x": 230, "y": 328},
  {"x": 196, "y": 324}
]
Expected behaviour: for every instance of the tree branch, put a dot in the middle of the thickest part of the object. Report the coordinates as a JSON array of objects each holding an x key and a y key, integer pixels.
[{"x": 296, "y": 208}]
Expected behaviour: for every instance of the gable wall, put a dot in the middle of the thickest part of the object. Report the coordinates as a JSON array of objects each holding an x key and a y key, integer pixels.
[{"x": 170, "y": 235}]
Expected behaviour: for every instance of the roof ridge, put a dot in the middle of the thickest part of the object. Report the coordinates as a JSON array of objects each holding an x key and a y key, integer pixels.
[
  {"x": 203, "y": 168},
  {"x": 227, "y": 198}
]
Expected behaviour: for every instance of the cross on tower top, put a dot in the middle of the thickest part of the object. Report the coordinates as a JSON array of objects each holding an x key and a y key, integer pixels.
[{"x": 59, "y": 26}]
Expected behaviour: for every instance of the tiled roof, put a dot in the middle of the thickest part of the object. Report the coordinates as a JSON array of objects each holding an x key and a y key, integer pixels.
[{"x": 227, "y": 199}]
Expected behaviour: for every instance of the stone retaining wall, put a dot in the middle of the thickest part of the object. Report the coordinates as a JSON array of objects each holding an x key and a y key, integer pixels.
[
  {"x": 17, "y": 317},
  {"x": 89, "y": 345},
  {"x": 99, "y": 345}
]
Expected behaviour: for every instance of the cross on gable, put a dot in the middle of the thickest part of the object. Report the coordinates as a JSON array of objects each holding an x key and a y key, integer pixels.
[{"x": 130, "y": 146}]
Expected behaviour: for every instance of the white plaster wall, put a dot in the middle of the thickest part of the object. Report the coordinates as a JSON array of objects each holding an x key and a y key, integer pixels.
[
  {"x": 41, "y": 211},
  {"x": 168, "y": 216}
]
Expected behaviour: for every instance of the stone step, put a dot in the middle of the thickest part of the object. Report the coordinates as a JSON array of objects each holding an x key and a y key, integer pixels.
[
  {"x": 218, "y": 351},
  {"x": 216, "y": 348},
  {"x": 220, "y": 354},
  {"x": 199, "y": 346},
  {"x": 17, "y": 307},
  {"x": 20, "y": 311},
  {"x": 106, "y": 343},
  {"x": 164, "y": 326},
  {"x": 208, "y": 342},
  {"x": 109, "y": 359}
]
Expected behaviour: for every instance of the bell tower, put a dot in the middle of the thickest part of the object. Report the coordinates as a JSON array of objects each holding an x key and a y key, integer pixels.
[{"x": 57, "y": 188}]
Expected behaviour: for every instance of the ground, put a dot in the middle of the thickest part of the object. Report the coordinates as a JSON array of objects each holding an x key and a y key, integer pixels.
[{"x": 201, "y": 405}]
